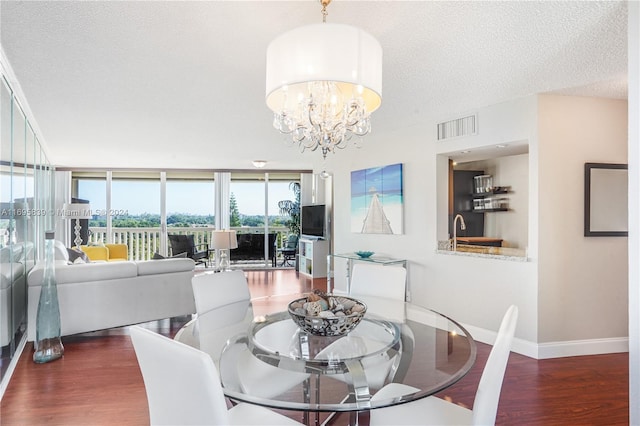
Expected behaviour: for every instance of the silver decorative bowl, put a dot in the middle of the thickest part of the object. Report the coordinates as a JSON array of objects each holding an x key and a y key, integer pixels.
[{"x": 328, "y": 326}]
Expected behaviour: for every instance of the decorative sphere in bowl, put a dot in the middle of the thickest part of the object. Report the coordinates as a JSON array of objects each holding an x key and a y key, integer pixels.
[
  {"x": 324, "y": 314},
  {"x": 364, "y": 254}
]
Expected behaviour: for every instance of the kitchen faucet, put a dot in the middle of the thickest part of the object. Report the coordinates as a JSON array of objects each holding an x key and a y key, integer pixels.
[{"x": 455, "y": 229}]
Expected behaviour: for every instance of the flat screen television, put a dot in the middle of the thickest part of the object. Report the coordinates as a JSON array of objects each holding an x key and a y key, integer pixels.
[{"x": 312, "y": 220}]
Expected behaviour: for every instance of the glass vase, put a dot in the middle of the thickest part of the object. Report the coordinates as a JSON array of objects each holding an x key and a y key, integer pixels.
[{"x": 48, "y": 345}]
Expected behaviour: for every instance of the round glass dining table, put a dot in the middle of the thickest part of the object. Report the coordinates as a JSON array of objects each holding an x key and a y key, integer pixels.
[{"x": 268, "y": 360}]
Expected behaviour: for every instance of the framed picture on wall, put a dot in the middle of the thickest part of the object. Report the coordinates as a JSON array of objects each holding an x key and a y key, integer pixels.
[
  {"x": 377, "y": 200},
  {"x": 605, "y": 200}
]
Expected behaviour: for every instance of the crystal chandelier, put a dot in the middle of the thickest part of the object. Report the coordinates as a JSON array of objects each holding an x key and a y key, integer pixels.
[{"x": 323, "y": 82}]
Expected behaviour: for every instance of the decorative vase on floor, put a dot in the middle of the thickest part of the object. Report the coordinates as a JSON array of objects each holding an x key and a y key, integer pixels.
[{"x": 48, "y": 345}]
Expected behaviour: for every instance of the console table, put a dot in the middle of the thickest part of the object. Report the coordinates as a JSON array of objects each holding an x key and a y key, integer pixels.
[{"x": 352, "y": 257}]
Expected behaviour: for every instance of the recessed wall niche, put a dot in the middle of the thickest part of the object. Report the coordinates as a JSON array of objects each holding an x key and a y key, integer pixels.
[{"x": 507, "y": 219}]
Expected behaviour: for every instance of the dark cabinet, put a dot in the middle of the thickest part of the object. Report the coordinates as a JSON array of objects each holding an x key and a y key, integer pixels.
[{"x": 462, "y": 194}]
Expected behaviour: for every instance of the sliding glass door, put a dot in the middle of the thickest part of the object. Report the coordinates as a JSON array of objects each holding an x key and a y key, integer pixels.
[{"x": 140, "y": 208}]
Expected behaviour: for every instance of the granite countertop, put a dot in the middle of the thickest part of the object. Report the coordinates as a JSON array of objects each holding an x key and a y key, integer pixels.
[{"x": 502, "y": 253}]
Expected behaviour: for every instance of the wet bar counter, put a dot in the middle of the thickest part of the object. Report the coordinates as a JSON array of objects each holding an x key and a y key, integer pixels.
[{"x": 501, "y": 253}]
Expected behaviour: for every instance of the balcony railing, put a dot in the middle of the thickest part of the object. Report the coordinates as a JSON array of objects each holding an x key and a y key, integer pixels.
[{"x": 142, "y": 243}]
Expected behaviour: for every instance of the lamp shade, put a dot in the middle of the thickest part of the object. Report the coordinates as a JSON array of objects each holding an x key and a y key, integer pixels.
[
  {"x": 76, "y": 211},
  {"x": 224, "y": 240},
  {"x": 346, "y": 55}
]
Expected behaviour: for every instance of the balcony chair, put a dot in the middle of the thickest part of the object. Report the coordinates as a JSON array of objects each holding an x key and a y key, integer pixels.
[
  {"x": 185, "y": 244},
  {"x": 183, "y": 386},
  {"x": 436, "y": 411},
  {"x": 289, "y": 251},
  {"x": 221, "y": 301}
]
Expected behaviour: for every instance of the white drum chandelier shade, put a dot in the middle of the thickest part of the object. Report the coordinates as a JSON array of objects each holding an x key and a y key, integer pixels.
[{"x": 323, "y": 81}]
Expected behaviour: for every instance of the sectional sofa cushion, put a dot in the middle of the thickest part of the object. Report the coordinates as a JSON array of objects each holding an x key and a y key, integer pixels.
[
  {"x": 86, "y": 272},
  {"x": 158, "y": 256},
  {"x": 11, "y": 253},
  {"x": 164, "y": 266},
  {"x": 10, "y": 272}
]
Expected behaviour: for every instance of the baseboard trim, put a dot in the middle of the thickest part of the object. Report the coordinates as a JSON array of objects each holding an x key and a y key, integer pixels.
[
  {"x": 583, "y": 347},
  {"x": 555, "y": 349}
]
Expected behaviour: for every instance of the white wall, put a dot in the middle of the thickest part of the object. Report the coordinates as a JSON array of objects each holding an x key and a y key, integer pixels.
[
  {"x": 474, "y": 291},
  {"x": 564, "y": 299},
  {"x": 583, "y": 280}
]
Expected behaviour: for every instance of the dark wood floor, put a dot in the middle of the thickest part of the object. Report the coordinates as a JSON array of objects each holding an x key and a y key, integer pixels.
[{"x": 98, "y": 381}]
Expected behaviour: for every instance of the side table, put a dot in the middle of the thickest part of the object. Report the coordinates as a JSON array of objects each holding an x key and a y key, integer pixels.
[{"x": 352, "y": 257}]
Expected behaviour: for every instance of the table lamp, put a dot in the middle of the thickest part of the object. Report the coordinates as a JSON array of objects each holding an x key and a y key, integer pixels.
[
  {"x": 77, "y": 211},
  {"x": 223, "y": 241}
]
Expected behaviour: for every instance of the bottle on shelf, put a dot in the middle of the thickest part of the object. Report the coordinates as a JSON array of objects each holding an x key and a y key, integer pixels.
[{"x": 483, "y": 184}]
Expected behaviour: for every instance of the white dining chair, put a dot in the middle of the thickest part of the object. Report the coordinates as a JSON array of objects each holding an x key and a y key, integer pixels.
[
  {"x": 370, "y": 279},
  {"x": 386, "y": 283},
  {"x": 436, "y": 411},
  {"x": 222, "y": 301},
  {"x": 183, "y": 386}
]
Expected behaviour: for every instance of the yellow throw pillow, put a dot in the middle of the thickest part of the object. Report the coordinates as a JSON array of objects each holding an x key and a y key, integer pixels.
[
  {"x": 96, "y": 252},
  {"x": 117, "y": 251}
]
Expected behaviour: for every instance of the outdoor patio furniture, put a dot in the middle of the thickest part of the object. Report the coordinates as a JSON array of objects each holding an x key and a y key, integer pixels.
[
  {"x": 289, "y": 251},
  {"x": 251, "y": 247},
  {"x": 186, "y": 244}
]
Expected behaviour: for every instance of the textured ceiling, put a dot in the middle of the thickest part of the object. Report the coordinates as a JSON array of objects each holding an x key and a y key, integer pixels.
[{"x": 181, "y": 84}]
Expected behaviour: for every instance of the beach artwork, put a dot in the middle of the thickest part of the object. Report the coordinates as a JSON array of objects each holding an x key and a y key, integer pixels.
[{"x": 377, "y": 200}]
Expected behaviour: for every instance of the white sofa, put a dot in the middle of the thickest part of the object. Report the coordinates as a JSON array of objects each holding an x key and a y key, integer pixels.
[{"x": 97, "y": 296}]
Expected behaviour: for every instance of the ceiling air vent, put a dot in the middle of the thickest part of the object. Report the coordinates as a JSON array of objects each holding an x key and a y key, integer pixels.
[{"x": 464, "y": 126}]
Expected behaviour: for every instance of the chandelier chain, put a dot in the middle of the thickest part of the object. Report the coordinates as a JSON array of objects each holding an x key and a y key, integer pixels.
[{"x": 324, "y": 3}]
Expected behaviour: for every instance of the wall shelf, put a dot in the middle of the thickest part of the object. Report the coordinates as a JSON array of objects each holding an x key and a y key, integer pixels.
[
  {"x": 500, "y": 209},
  {"x": 487, "y": 202},
  {"x": 496, "y": 191}
]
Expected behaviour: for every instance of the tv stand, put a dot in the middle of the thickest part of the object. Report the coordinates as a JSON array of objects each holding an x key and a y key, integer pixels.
[{"x": 313, "y": 257}]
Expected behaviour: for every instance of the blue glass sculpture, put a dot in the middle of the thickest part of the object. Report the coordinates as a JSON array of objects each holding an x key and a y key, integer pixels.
[{"x": 48, "y": 345}]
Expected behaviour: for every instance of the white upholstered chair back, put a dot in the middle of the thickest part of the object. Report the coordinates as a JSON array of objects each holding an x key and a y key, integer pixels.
[
  {"x": 485, "y": 405},
  {"x": 377, "y": 280},
  {"x": 181, "y": 382},
  {"x": 222, "y": 301},
  {"x": 183, "y": 386},
  {"x": 435, "y": 411},
  {"x": 218, "y": 289}
]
